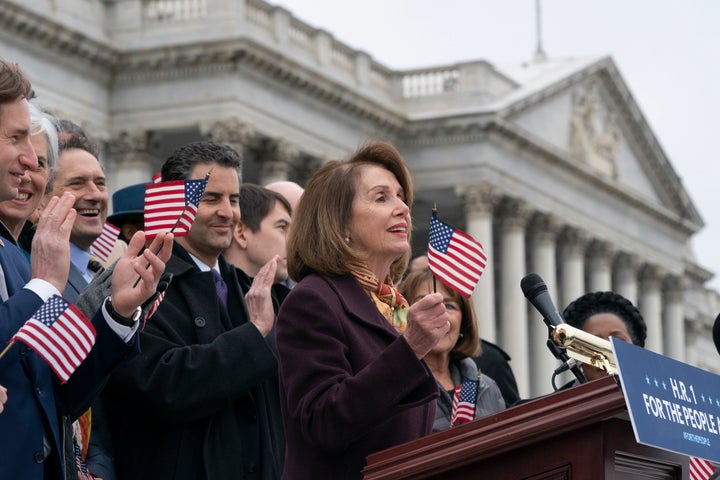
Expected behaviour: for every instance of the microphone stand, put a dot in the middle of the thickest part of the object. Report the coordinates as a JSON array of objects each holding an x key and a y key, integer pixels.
[{"x": 568, "y": 363}]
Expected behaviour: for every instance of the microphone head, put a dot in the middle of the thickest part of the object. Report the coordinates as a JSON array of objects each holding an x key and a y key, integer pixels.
[
  {"x": 532, "y": 285},
  {"x": 716, "y": 333}
]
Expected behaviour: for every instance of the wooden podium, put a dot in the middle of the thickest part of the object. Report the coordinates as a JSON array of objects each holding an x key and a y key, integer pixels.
[{"x": 582, "y": 433}]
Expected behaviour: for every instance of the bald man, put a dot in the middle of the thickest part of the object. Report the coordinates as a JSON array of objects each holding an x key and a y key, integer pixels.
[{"x": 290, "y": 190}]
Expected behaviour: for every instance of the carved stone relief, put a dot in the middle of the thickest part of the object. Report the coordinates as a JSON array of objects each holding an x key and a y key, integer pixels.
[{"x": 594, "y": 133}]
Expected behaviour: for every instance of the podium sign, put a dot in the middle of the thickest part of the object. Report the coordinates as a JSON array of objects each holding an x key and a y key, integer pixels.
[{"x": 672, "y": 405}]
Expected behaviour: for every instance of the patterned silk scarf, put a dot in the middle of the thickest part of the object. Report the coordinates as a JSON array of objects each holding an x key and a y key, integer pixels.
[{"x": 388, "y": 300}]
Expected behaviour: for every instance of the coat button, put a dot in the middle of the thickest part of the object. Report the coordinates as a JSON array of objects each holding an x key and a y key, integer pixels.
[
  {"x": 199, "y": 322},
  {"x": 38, "y": 457},
  {"x": 23, "y": 349}
]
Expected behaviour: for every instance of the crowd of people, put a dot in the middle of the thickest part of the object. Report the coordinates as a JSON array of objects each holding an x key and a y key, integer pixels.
[{"x": 289, "y": 341}]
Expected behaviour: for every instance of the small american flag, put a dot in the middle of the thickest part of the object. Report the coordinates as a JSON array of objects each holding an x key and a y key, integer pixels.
[
  {"x": 157, "y": 177},
  {"x": 455, "y": 257},
  {"x": 171, "y": 206},
  {"x": 103, "y": 245},
  {"x": 60, "y": 334},
  {"x": 464, "y": 402},
  {"x": 700, "y": 469},
  {"x": 153, "y": 307}
]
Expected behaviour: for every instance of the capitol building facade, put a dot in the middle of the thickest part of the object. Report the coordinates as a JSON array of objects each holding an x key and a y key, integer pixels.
[{"x": 550, "y": 164}]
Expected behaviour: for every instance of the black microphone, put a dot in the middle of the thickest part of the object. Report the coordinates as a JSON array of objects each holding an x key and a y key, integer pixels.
[{"x": 535, "y": 290}]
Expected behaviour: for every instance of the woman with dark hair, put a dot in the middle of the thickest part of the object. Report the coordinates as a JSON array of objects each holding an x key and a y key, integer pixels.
[
  {"x": 451, "y": 359},
  {"x": 605, "y": 315},
  {"x": 352, "y": 376}
]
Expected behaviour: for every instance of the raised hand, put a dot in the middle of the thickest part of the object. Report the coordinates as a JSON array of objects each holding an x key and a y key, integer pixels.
[
  {"x": 259, "y": 298},
  {"x": 428, "y": 322},
  {"x": 127, "y": 294},
  {"x": 50, "y": 259}
]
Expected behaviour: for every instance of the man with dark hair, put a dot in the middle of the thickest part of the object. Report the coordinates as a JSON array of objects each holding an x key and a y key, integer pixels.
[
  {"x": 201, "y": 402},
  {"x": 261, "y": 233},
  {"x": 32, "y": 423},
  {"x": 79, "y": 172}
]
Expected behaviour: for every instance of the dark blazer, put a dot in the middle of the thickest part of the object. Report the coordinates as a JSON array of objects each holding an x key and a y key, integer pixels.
[
  {"x": 201, "y": 400},
  {"x": 75, "y": 285},
  {"x": 37, "y": 402},
  {"x": 349, "y": 384}
]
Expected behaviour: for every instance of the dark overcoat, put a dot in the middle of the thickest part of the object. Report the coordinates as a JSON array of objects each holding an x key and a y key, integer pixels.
[
  {"x": 37, "y": 401},
  {"x": 200, "y": 401},
  {"x": 350, "y": 384}
]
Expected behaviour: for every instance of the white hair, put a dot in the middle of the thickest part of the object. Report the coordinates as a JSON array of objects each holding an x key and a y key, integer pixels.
[{"x": 43, "y": 123}]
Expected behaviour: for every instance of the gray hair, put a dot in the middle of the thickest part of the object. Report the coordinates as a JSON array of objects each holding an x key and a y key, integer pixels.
[{"x": 42, "y": 123}]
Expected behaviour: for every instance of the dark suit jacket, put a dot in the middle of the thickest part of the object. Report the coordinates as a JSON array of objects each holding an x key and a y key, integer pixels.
[
  {"x": 36, "y": 399},
  {"x": 349, "y": 384},
  {"x": 75, "y": 285},
  {"x": 200, "y": 401}
]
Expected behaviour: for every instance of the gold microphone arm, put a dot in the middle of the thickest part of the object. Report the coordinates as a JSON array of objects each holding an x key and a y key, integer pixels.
[{"x": 585, "y": 347}]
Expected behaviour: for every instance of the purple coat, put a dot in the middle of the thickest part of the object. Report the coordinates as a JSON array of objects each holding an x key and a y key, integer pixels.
[{"x": 349, "y": 384}]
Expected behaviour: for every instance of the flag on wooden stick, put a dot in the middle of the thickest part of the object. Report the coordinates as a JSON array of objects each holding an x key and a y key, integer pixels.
[
  {"x": 60, "y": 334},
  {"x": 104, "y": 244},
  {"x": 454, "y": 257},
  {"x": 171, "y": 206}
]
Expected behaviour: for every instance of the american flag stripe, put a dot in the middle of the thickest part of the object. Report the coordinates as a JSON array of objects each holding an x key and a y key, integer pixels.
[
  {"x": 700, "y": 469},
  {"x": 60, "y": 334},
  {"x": 66, "y": 346},
  {"x": 464, "y": 400},
  {"x": 171, "y": 206},
  {"x": 454, "y": 257},
  {"x": 104, "y": 244},
  {"x": 449, "y": 269}
]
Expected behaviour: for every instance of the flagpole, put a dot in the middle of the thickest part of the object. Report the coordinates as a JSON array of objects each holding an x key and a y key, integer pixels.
[
  {"x": 5, "y": 350},
  {"x": 434, "y": 212},
  {"x": 177, "y": 222}
]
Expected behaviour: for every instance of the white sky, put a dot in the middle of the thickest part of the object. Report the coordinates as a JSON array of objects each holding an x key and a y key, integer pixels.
[{"x": 668, "y": 52}]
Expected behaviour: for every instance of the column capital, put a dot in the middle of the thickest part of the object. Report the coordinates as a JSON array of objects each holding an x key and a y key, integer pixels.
[
  {"x": 230, "y": 131},
  {"x": 599, "y": 252},
  {"x": 543, "y": 227},
  {"x": 128, "y": 142},
  {"x": 674, "y": 288},
  {"x": 626, "y": 262},
  {"x": 572, "y": 240},
  {"x": 650, "y": 277},
  {"x": 276, "y": 156},
  {"x": 512, "y": 213},
  {"x": 129, "y": 147},
  {"x": 480, "y": 198}
]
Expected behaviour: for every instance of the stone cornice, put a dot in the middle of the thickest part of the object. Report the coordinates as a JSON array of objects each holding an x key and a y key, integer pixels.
[
  {"x": 650, "y": 153},
  {"x": 53, "y": 37},
  {"x": 200, "y": 59},
  {"x": 561, "y": 158}
]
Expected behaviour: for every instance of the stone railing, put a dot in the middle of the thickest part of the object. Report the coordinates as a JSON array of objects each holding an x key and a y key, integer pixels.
[
  {"x": 428, "y": 82},
  {"x": 160, "y": 11}
]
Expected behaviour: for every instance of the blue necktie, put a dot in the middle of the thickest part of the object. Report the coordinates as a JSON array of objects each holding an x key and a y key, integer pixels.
[{"x": 221, "y": 287}]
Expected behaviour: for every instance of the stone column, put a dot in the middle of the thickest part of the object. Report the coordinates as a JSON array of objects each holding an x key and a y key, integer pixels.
[
  {"x": 626, "y": 276},
  {"x": 479, "y": 201},
  {"x": 572, "y": 266},
  {"x": 673, "y": 317},
  {"x": 599, "y": 260},
  {"x": 231, "y": 132},
  {"x": 542, "y": 231},
  {"x": 128, "y": 162},
  {"x": 650, "y": 305},
  {"x": 276, "y": 157},
  {"x": 512, "y": 215}
]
